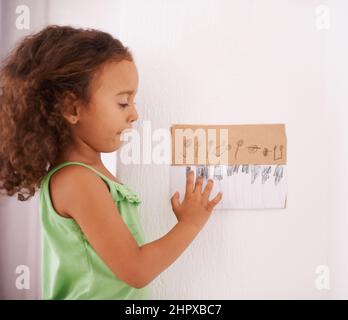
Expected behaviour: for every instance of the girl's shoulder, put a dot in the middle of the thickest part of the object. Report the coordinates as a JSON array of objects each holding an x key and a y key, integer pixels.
[{"x": 64, "y": 181}]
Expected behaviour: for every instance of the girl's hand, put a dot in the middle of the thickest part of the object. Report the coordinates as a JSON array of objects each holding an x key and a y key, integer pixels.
[{"x": 196, "y": 208}]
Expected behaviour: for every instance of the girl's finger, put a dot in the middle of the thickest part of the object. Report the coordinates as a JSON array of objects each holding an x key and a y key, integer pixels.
[
  {"x": 175, "y": 201},
  {"x": 198, "y": 186},
  {"x": 189, "y": 182},
  {"x": 207, "y": 191},
  {"x": 211, "y": 204}
]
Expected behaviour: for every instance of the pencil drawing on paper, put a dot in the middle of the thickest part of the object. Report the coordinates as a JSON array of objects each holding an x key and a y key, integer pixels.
[
  {"x": 223, "y": 147},
  {"x": 219, "y": 172},
  {"x": 253, "y": 148},
  {"x": 219, "y": 150}
]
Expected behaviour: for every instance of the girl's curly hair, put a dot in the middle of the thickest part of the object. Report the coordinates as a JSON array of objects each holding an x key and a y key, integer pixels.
[{"x": 36, "y": 78}]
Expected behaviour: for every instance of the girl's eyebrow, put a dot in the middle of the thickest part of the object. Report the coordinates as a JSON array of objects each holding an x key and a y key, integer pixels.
[{"x": 127, "y": 91}]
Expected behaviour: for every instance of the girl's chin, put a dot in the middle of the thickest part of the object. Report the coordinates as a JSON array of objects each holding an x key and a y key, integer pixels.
[{"x": 119, "y": 139}]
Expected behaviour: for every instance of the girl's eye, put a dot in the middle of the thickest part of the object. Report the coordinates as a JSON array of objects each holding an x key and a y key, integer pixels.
[{"x": 124, "y": 105}]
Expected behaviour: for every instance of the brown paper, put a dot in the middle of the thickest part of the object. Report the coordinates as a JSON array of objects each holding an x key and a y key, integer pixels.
[{"x": 228, "y": 144}]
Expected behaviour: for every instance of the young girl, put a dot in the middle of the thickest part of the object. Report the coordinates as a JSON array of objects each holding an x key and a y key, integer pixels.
[{"x": 66, "y": 95}]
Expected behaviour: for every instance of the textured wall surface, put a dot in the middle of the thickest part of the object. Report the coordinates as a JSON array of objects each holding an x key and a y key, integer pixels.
[{"x": 247, "y": 62}]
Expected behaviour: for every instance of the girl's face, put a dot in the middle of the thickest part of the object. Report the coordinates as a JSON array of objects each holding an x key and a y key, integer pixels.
[{"x": 111, "y": 109}]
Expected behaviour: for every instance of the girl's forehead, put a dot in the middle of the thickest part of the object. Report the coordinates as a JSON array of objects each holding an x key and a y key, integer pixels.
[{"x": 121, "y": 77}]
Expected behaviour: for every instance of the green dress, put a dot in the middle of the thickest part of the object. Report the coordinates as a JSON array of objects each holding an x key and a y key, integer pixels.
[{"x": 70, "y": 267}]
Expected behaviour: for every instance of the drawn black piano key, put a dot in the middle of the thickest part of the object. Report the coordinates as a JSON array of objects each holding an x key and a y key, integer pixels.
[
  {"x": 245, "y": 168},
  {"x": 266, "y": 173},
  {"x": 188, "y": 168},
  {"x": 236, "y": 168},
  {"x": 229, "y": 170},
  {"x": 255, "y": 170},
  {"x": 206, "y": 172},
  {"x": 218, "y": 174},
  {"x": 278, "y": 174},
  {"x": 202, "y": 171}
]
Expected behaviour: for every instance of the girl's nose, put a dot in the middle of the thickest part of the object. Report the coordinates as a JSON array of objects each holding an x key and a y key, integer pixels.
[{"x": 134, "y": 115}]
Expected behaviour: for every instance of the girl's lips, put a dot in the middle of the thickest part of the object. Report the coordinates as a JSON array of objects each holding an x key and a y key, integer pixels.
[{"x": 124, "y": 131}]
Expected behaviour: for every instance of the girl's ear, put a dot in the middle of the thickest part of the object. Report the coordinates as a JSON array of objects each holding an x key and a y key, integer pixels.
[{"x": 71, "y": 108}]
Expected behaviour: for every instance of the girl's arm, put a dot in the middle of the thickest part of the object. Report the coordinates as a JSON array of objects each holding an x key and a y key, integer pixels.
[
  {"x": 192, "y": 214},
  {"x": 88, "y": 201},
  {"x": 158, "y": 255},
  {"x": 80, "y": 194}
]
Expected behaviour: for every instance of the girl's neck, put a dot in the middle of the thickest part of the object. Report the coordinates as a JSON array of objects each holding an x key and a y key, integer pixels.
[{"x": 98, "y": 166}]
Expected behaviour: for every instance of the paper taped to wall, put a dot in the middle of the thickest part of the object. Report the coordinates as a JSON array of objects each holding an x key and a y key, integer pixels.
[
  {"x": 228, "y": 144},
  {"x": 258, "y": 182}
]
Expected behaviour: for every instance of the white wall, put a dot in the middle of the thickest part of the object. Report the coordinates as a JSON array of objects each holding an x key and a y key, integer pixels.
[
  {"x": 336, "y": 79},
  {"x": 247, "y": 62},
  {"x": 232, "y": 62},
  {"x": 10, "y": 34}
]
